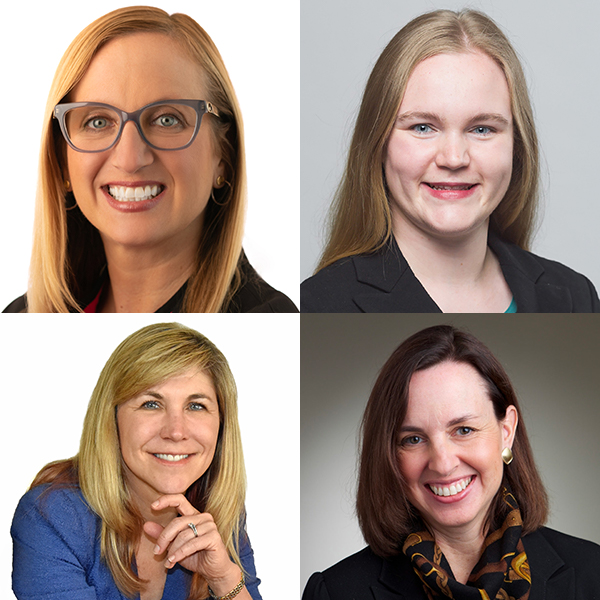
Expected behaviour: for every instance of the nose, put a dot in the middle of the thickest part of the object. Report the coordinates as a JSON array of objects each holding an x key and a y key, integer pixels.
[
  {"x": 442, "y": 458},
  {"x": 174, "y": 426},
  {"x": 131, "y": 153},
  {"x": 453, "y": 151}
]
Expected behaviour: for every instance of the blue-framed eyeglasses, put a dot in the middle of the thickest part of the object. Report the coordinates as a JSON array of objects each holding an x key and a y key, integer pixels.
[{"x": 164, "y": 125}]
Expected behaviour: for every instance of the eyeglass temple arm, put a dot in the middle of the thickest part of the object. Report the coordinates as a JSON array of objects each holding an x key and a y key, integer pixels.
[{"x": 212, "y": 110}]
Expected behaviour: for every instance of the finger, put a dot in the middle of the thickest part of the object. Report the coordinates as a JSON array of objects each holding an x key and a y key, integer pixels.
[
  {"x": 178, "y": 501},
  {"x": 208, "y": 540},
  {"x": 180, "y": 526},
  {"x": 153, "y": 529}
]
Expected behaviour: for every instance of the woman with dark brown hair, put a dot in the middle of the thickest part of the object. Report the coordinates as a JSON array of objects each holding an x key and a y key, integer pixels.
[{"x": 449, "y": 498}]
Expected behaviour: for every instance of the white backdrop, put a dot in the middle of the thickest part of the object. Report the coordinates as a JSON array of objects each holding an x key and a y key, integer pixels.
[
  {"x": 50, "y": 365},
  {"x": 259, "y": 42}
]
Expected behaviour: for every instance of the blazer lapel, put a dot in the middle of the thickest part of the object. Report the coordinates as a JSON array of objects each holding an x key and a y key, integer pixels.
[
  {"x": 397, "y": 581},
  {"x": 549, "y": 579},
  {"x": 395, "y": 287},
  {"x": 522, "y": 273}
]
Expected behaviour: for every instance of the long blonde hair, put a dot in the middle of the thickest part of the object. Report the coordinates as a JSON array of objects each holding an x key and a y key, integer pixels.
[
  {"x": 360, "y": 219},
  {"x": 147, "y": 357},
  {"x": 68, "y": 254}
]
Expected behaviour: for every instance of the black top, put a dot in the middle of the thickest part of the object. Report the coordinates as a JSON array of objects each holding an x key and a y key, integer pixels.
[
  {"x": 254, "y": 295},
  {"x": 562, "y": 568},
  {"x": 382, "y": 282}
]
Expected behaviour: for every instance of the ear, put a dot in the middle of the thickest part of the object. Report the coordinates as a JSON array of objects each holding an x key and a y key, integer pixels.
[{"x": 509, "y": 426}]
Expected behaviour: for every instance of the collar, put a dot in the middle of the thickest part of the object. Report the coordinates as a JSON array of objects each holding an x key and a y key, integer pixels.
[{"x": 387, "y": 271}]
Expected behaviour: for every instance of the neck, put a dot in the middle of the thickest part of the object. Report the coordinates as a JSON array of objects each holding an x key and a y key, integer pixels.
[
  {"x": 461, "y": 549},
  {"x": 461, "y": 273},
  {"x": 142, "y": 280}
]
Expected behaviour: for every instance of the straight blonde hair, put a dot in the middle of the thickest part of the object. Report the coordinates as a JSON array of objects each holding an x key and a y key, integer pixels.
[
  {"x": 359, "y": 219},
  {"x": 147, "y": 357},
  {"x": 68, "y": 254}
]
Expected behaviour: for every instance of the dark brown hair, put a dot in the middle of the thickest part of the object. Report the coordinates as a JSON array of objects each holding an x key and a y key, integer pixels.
[{"x": 384, "y": 512}]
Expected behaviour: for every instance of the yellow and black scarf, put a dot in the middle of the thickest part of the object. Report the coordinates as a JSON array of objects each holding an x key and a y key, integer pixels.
[{"x": 502, "y": 572}]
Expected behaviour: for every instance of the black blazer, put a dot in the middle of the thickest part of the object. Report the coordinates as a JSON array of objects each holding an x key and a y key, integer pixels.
[
  {"x": 254, "y": 295},
  {"x": 383, "y": 282},
  {"x": 562, "y": 568}
]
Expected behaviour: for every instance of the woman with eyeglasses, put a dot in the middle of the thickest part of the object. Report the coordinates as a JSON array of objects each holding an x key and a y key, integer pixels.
[{"x": 141, "y": 195}]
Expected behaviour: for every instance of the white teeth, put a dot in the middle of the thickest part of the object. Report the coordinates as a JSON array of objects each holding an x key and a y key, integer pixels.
[
  {"x": 131, "y": 194},
  {"x": 172, "y": 457},
  {"x": 451, "y": 187},
  {"x": 454, "y": 489}
]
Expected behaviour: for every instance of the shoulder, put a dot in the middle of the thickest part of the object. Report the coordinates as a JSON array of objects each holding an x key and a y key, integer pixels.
[
  {"x": 256, "y": 295},
  {"x": 18, "y": 305},
  {"x": 331, "y": 288},
  {"x": 549, "y": 276},
  {"x": 574, "y": 551},
  {"x": 348, "y": 578},
  {"x": 50, "y": 514},
  {"x": 360, "y": 574}
]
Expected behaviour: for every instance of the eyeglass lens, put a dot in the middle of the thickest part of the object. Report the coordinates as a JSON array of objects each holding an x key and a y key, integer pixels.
[{"x": 167, "y": 126}]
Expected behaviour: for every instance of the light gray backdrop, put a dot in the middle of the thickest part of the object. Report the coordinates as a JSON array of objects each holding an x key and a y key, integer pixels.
[
  {"x": 557, "y": 42},
  {"x": 552, "y": 361}
]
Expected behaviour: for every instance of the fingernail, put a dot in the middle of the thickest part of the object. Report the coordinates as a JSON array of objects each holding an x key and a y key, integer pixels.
[
  {"x": 169, "y": 561},
  {"x": 155, "y": 503},
  {"x": 157, "y": 549}
]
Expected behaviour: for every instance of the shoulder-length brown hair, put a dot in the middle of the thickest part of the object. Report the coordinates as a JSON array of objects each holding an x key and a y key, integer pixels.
[
  {"x": 360, "y": 219},
  {"x": 385, "y": 514},
  {"x": 68, "y": 254},
  {"x": 149, "y": 356}
]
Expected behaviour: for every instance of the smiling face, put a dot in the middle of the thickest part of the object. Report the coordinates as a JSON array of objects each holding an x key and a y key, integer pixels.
[
  {"x": 448, "y": 160},
  {"x": 168, "y": 435},
  {"x": 451, "y": 444},
  {"x": 130, "y": 72}
]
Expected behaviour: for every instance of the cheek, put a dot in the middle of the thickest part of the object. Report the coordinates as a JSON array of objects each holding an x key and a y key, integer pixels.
[{"x": 406, "y": 159}]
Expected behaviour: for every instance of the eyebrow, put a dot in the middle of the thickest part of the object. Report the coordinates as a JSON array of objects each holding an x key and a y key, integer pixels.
[
  {"x": 198, "y": 396},
  {"x": 452, "y": 423},
  {"x": 428, "y": 116}
]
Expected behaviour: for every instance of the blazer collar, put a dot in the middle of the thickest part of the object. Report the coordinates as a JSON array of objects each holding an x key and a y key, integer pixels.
[
  {"x": 549, "y": 579},
  {"x": 387, "y": 271},
  {"x": 396, "y": 289},
  {"x": 397, "y": 581}
]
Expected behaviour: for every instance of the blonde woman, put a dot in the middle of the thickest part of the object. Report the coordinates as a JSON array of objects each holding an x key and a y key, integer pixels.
[
  {"x": 153, "y": 503},
  {"x": 142, "y": 187},
  {"x": 436, "y": 209}
]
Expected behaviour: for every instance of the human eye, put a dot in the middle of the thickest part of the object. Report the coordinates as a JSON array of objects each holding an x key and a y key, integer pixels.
[
  {"x": 150, "y": 404},
  {"x": 483, "y": 130},
  {"x": 167, "y": 118},
  {"x": 421, "y": 128},
  {"x": 97, "y": 122},
  {"x": 464, "y": 431},
  {"x": 411, "y": 441},
  {"x": 196, "y": 406}
]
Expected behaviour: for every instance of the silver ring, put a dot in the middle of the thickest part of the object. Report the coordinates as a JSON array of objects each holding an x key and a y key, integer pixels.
[{"x": 193, "y": 528}]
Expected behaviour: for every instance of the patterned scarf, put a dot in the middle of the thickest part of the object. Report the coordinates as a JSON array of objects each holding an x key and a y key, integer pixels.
[{"x": 502, "y": 572}]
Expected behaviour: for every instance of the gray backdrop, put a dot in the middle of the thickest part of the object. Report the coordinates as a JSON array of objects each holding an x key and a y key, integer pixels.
[
  {"x": 557, "y": 42},
  {"x": 552, "y": 361}
]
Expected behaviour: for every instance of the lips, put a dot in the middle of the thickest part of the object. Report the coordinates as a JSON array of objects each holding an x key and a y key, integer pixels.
[
  {"x": 445, "y": 190},
  {"x": 452, "y": 489},
  {"x": 134, "y": 194},
  {"x": 133, "y": 197},
  {"x": 450, "y": 187}
]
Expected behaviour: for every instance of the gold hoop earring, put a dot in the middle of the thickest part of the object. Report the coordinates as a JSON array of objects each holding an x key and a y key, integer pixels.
[
  {"x": 507, "y": 456},
  {"x": 212, "y": 195},
  {"x": 220, "y": 181}
]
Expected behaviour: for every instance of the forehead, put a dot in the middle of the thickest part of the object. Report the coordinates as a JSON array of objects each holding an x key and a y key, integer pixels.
[
  {"x": 446, "y": 391},
  {"x": 457, "y": 84},
  {"x": 140, "y": 68}
]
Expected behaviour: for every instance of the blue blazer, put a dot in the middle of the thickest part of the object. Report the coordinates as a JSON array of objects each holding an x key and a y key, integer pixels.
[
  {"x": 383, "y": 282},
  {"x": 562, "y": 568},
  {"x": 56, "y": 552}
]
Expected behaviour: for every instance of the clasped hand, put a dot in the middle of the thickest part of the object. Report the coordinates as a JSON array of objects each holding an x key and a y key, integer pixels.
[{"x": 205, "y": 554}]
